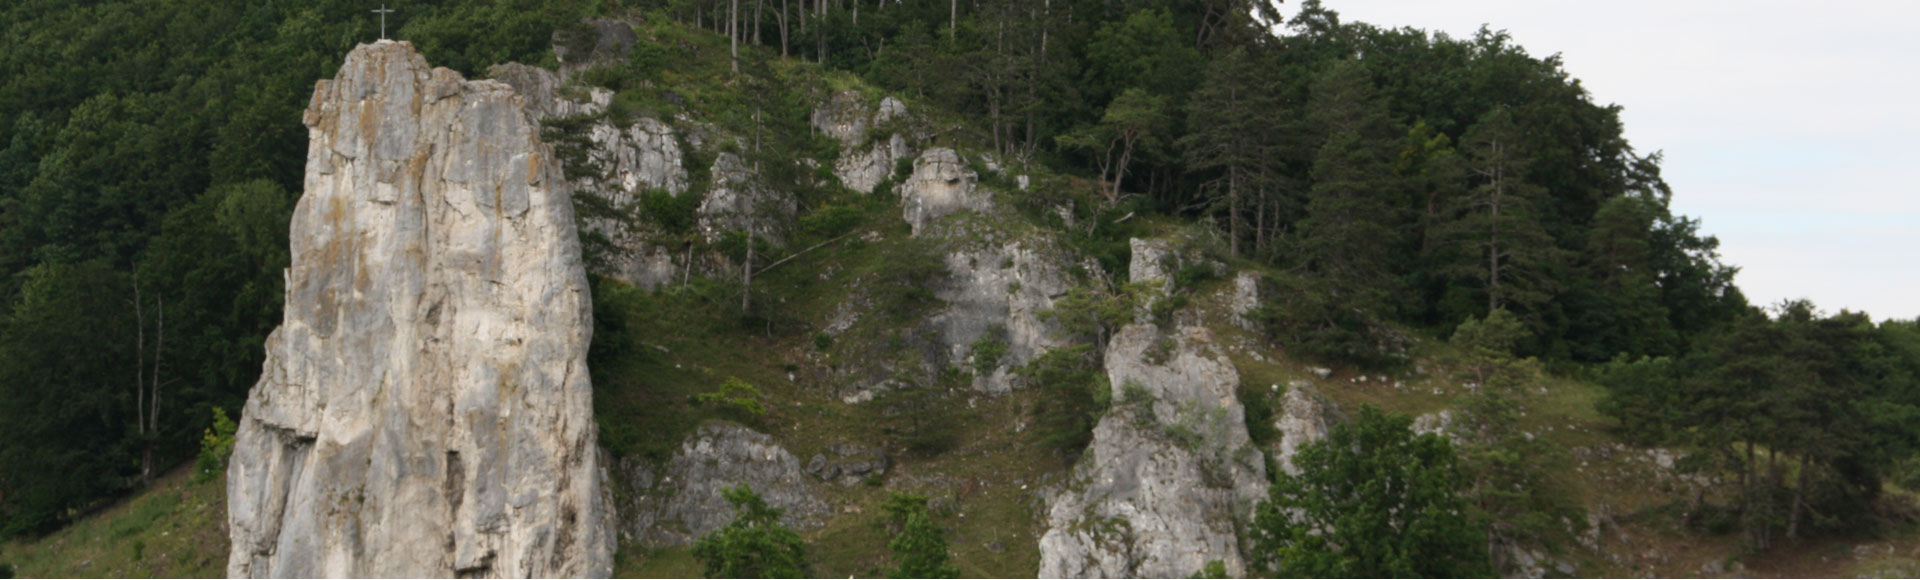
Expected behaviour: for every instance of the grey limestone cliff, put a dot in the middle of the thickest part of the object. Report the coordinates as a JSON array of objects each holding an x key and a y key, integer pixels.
[
  {"x": 863, "y": 162},
  {"x": 425, "y": 408},
  {"x": 1171, "y": 474}
]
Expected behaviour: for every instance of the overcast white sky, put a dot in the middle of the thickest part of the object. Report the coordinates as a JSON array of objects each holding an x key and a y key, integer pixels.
[{"x": 1792, "y": 129}]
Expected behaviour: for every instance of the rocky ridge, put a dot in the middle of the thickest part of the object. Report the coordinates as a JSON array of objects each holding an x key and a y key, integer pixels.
[{"x": 425, "y": 408}]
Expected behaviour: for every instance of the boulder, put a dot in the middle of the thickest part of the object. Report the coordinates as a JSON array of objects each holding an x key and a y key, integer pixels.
[
  {"x": 425, "y": 408},
  {"x": 850, "y": 463}
]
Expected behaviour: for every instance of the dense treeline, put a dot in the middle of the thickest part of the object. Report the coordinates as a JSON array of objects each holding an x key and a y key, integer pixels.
[{"x": 1800, "y": 415}]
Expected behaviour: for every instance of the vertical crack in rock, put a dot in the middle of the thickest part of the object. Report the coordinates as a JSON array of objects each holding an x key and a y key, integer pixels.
[{"x": 422, "y": 412}]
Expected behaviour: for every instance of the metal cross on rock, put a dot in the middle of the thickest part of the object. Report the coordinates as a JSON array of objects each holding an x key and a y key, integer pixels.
[{"x": 383, "y": 12}]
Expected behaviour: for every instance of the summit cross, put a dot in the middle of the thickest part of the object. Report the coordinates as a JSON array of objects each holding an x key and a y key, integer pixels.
[{"x": 383, "y": 12}]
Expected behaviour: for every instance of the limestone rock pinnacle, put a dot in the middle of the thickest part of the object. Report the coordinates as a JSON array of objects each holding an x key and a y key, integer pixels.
[{"x": 425, "y": 408}]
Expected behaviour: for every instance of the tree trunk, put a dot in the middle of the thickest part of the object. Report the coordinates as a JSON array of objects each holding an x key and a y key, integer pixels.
[
  {"x": 746, "y": 294},
  {"x": 140, "y": 381},
  {"x": 757, "y": 13},
  {"x": 733, "y": 32},
  {"x": 953, "y": 18},
  {"x": 1120, "y": 171},
  {"x": 1233, "y": 211}
]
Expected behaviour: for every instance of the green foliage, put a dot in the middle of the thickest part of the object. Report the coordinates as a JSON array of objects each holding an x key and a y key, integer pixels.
[
  {"x": 61, "y": 416},
  {"x": 918, "y": 545},
  {"x": 1074, "y": 395},
  {"x": 988, "y": 350},
  {"x": 754, "y": 545},
  {"x": 1508, "y": 466},
  {"x": 1310, "y": 316},
  {"x": 1092, "y": 311},
  {"x": 1372, "y": 500},
  {"x": 1214, "y": 570},
  {"x": 734, "y": 395},
  {"x": 902, "y": 282},
  {"x": 1644, "y": 396},
  {"x": 1259, "y": 413},
  {"x": 216, "y": 445},
  {"x": 674, "y": 213},
  {"x": 921, "y": 414}
]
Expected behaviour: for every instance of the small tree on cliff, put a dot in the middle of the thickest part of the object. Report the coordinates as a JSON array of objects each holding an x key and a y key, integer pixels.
[
  {"x": 1372, "y": 500},
  {"x": 754, "y": 545}
]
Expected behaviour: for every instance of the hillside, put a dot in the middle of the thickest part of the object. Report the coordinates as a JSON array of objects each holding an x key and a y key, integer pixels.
[{"x": 1001, "y": 258}]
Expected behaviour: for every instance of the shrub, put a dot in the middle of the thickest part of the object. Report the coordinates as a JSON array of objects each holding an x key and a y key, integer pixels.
[
  {"x": 734, "y": 395},
  {"x": 754, "y": 545},
  {"x": 216, "y": 446},
  {"x": 1073, "y": 396}
]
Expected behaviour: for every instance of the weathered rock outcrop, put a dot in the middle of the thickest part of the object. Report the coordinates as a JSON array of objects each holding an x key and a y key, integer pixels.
[
  {"x": 620, "y": 164},
  {"x": 994, "y": 294},
  {"x": 739, "y": 201},
  {"x": 683, "y": 501},
  {"x": 1171, "y": 471},
  {"x": 1305, "y": 417},
  {"x": 851, "y": 463},
  {"x": 425, "y": 408},
  {"x": 942, "y": 184},
  {"x": 863, "y": 163}
]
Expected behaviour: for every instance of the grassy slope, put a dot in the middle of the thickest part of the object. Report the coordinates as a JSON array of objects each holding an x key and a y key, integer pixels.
[{"x": 176, "y": 529}]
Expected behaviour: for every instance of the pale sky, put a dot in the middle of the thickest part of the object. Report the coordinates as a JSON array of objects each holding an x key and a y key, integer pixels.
[{"x": 1791, "y": 129}]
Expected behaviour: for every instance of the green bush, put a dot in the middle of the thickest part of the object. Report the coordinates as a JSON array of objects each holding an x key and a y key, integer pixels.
[
  {"x": 673, "y": 213},
  {"x": 988, "y": 350},
  {"x": 832, "y": 220},
  {"x": 754, "y": 545},
  {"x": 216, "y": 445},
  {"x": 1073, "y": 396},
  {"x": 734, "y": 395}
]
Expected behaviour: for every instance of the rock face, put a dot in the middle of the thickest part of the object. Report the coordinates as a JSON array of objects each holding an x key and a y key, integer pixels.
[
  {"x": 739, "y": 202},
  {"x": 684, "y": 502},
  {"x": 942, "y": 184},
  {"x": 994, "y": 294},
  {"x": 1304, "y": 417},
  {"x": 862, "y": 164},
  {"x": 623, "y": 162},
  {"x": 1171, "y": 471},
  {"x": 425, "y": 409}
]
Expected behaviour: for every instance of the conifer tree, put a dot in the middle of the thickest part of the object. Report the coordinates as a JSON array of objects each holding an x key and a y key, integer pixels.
[
  {"x": 1348, "y": 230},
  {"x": 1497, "y": 222}
]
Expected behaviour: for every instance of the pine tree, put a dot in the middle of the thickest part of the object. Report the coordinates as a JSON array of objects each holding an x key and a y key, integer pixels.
[
  {"x": 1232, "y": 124},
  {"x": 1497, "y": 222},
  {"x": 1348, "y": 232}
]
